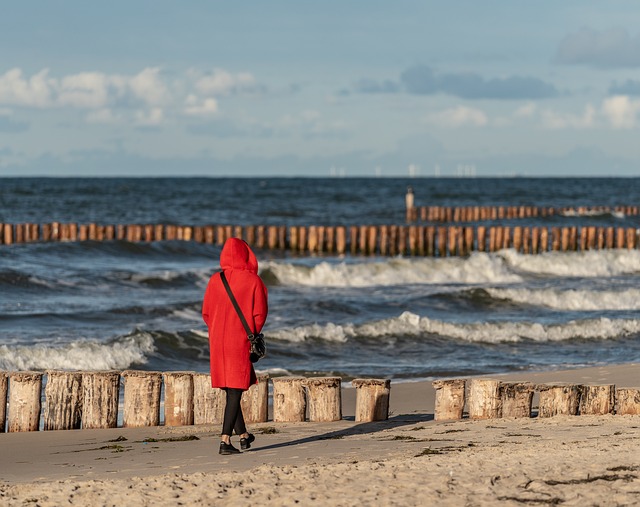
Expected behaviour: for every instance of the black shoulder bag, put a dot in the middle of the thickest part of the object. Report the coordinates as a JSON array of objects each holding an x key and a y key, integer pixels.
[{"x": 258, "y": 346}]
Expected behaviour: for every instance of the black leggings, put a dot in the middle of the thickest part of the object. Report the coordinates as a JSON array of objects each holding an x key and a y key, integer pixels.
[{"x": 233, "y": 418}]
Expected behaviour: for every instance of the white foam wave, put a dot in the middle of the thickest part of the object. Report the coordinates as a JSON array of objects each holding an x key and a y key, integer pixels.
[
  {"x": 79, "y": 355},
  {"x": 410, "y": 324},
  {"x": 603, "y": 263},
  {"x": 478, "y": 268},
  {"x": 577, "y": 300},
  {"x": 591, "y": 213}
]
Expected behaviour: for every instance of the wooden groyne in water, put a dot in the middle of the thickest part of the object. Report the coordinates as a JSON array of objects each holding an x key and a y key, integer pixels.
[
  {"x": 485, "y": 213},
  {"x": 92, "y": 399},
  {"x": 416, "y": 240}
]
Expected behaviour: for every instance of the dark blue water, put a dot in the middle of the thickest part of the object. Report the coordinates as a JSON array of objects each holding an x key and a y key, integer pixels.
[{"x": 121, "y": 305}]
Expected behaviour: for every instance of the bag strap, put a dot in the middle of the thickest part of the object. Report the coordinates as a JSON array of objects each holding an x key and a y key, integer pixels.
[{"x": 235, "y": 303}]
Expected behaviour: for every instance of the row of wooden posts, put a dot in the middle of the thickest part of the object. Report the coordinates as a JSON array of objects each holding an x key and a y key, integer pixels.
[
  {"x": 89, "y": 400},
  {"x": 479, "y": 213},
  {"x": 490, "y": 399},
  {"x": 418, "y": 240}
]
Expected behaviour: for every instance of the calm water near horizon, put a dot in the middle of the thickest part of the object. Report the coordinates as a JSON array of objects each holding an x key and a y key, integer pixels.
[{"x": 121, "y": 305}]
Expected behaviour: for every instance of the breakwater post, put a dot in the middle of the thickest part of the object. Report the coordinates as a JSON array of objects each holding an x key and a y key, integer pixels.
[
  {"x": 372, "y": 399},
  {"x": 289, "y": 399},
  {"x": 24, "y": 401},
  {"x": 63, "y": 400},
  {"x": 100, "y": 391},
  {"x": 141, "y": 398}
]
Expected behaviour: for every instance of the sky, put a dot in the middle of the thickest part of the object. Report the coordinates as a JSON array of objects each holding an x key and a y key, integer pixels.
[{"x": 334, "y": 88}]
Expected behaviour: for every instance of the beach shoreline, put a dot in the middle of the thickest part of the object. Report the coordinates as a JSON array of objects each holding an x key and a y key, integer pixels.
[{"x": 395, "y": 461}]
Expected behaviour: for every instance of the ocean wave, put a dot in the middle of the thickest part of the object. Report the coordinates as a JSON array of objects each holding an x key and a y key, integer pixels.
[
  {"x": 573, "y": 299},
  {"x": 476, "y": 269},
  {"x": 410, "y": 324},
  {"x": 602, "y": 263},
  {"x": 80, "y": 355}
]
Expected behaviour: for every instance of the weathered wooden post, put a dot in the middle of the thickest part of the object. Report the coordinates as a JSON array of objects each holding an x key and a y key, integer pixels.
[
  {"x": 597, "y": 399},
  {"x": 353, "y": 239},
  {"x": 4, "y": 384},
  {"x": 516, "y": 398},
  {"x": 293, "y": 237},
  {"x": 372, "y": 245},
  {"x": 452, "y": 237},
  {"x": 384, "y": 239},
  {"x": 63, "y": 400},
  {"x": 141, "y": 398},
  {"x": 321, "y": 238},
  {"x": 178, "y": 398},
  {"x": 24, "y": 401},
  {"x": 558, "y": 399},
  {"x": 282, "y": 237},
  {"x": 628, "y": 401},
  {"x": 261, "y": 236},
  {"x": 289, "y": 399},
  {"x": 100, "y": 391},
  {"x": 255, "y": 401},
  {"x": 430, "y": 240},
  {"x": 372, "y": 399},
  {"x": 208, "y": 403},
  {"x": 312, "y": 239},
  {"x": 324, "y": 398},
  {"x": 302, "y": 238},
  {"x": 413, "y": 239},
  {"x": 251, "y": 235},
  {"x": 449, "y": 399},
  {"x": 220, "y": 234},
  {"x": 517, "y": 238},
  {"x": 506, "y": 237},
  {"x": 272, "y": 237},
  {"x": 393, "y": 240},
  {"x": 364, "y": 239},
  {"x": 330, "y": 239},
  {"x": 341, "y": 239},
  {"x": 631, "y": 238},
  {"x": 481, "y": 238},
  {"x": 442, "y": 241},
  {"x": 485, "y": 401},
  {"x": 620, "y": 237},
  {"x": 402, "y": 239}
]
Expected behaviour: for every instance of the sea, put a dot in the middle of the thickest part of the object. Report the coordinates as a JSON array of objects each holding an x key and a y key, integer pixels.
[{"x": 120, "y": 305}]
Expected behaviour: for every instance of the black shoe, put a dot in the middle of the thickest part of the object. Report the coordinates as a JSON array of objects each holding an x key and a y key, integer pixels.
[
  {"x": 228, "y": 449},
  {"x": 245, "y": 443}
]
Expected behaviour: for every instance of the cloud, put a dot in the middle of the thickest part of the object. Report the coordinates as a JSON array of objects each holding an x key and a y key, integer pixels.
[
  {"x": 220, "y": 82},
  {"x": 16, "y": 90},
  {"x": 200, "y": 107},
  {"x": 151, "y": 118},
  {"x": 629, "y": 87},
  {"x": 525, "y": 111},
  {"x": 372, "y": 86},
  {"x": 555, "y": 120},
  {"x": 422, "y": 80},
  {"x": 621, "y": 111},
  {"x": 606, "y": 49},
  {"x": 458, "y": 117}
]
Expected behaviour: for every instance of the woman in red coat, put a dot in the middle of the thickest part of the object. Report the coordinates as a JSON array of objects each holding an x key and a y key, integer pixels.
[{"x": 229, "y": 346}]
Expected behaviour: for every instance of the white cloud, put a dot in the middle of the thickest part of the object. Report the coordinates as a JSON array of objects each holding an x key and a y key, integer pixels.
[
  {"x": 459, "y": 116},
  {"x": 150, "y": 118},
  {"x": 555, "y": 120},
  {"x": 221, "y": 82},
  {"x": 197, "y": 107},
  {"x": 525, "y": 111},
  {"x": 85, "y": 90},
  {"x": 17, "y": 90},
  {"x": 621, "y": 111},
  {"x": 148, "y": 86}
]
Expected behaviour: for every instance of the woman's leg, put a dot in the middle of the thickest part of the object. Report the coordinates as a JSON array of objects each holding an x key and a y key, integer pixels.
[{"x": 233, "y": 418}]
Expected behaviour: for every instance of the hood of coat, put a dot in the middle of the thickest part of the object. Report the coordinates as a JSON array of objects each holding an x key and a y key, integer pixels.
[{"x": 236, "y": 254}]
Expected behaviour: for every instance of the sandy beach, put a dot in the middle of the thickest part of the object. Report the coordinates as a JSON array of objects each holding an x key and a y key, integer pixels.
[{"x": 408, "y": 460}]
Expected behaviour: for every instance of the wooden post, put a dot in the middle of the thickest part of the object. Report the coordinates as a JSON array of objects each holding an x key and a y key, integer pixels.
[
  {"x": 393, "y": 240},
  {"x": 341, "y": 240},
  {"x": 402, "y": 240},
  {"x": 430, "y": 240},
  {"x": 535, "y": 240},
  {"x": 413, "y": 239},
  {"x": 353, "y": 239},
  {"x": 631, "y": 238},
  {"x": 372, "y": 399},
  {"x": 597, "y": 399},
  {"x": 517, "y": 238},
  {"x": 260, "y": 236},
  {"x": 289, "y": 399},
  {"x": 63, "y": 400},
  {"x": 141, "y": 398},
  {"x": 178, "y": 398},
  {"x": 384, "y": 239},
  {"x": 544, "y": 240},
  {"x": 302, "y": 238},
  {"x": 364, "y": 240},
  {"x": 282, "y": 237},
  {"x": 330, "y": 239},
  {"x": 620, "y": 237},
  {"x": 208, "y": 403},
  {"x": 558, "y": 399},
  {"x": 485, "y": 401},
  {"x": 628, "y": 401},
  {"x": 293, "y": 237},
  {"x": 449, "y": 399},
  {"x": 516, "y": 398},
  {"x": 24, "y": 401},
  {"x": 452, "y": 237},
  {"x": 100, "y": 391},
  {"x": 255, "y": 401},
  {"x": 442, "y": 241},
  {"x": 481, "y": 238},
  {"x": 506, "y": 237},
  {"x": 312, "y": 239},
  {"x": 373, "y": 240},
  {"x": 555, "y": 239},
  {"x": 272, "y": 237},
  {"x": 4, "y": 384},
  {"x": 324, "y": 398}
]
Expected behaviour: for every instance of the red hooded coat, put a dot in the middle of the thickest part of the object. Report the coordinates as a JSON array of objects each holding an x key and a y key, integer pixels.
[{"x": 228, "y": 343}]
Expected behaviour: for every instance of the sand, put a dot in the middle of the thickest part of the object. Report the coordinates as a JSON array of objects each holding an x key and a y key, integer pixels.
[{"x": 408, "y": 460}]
